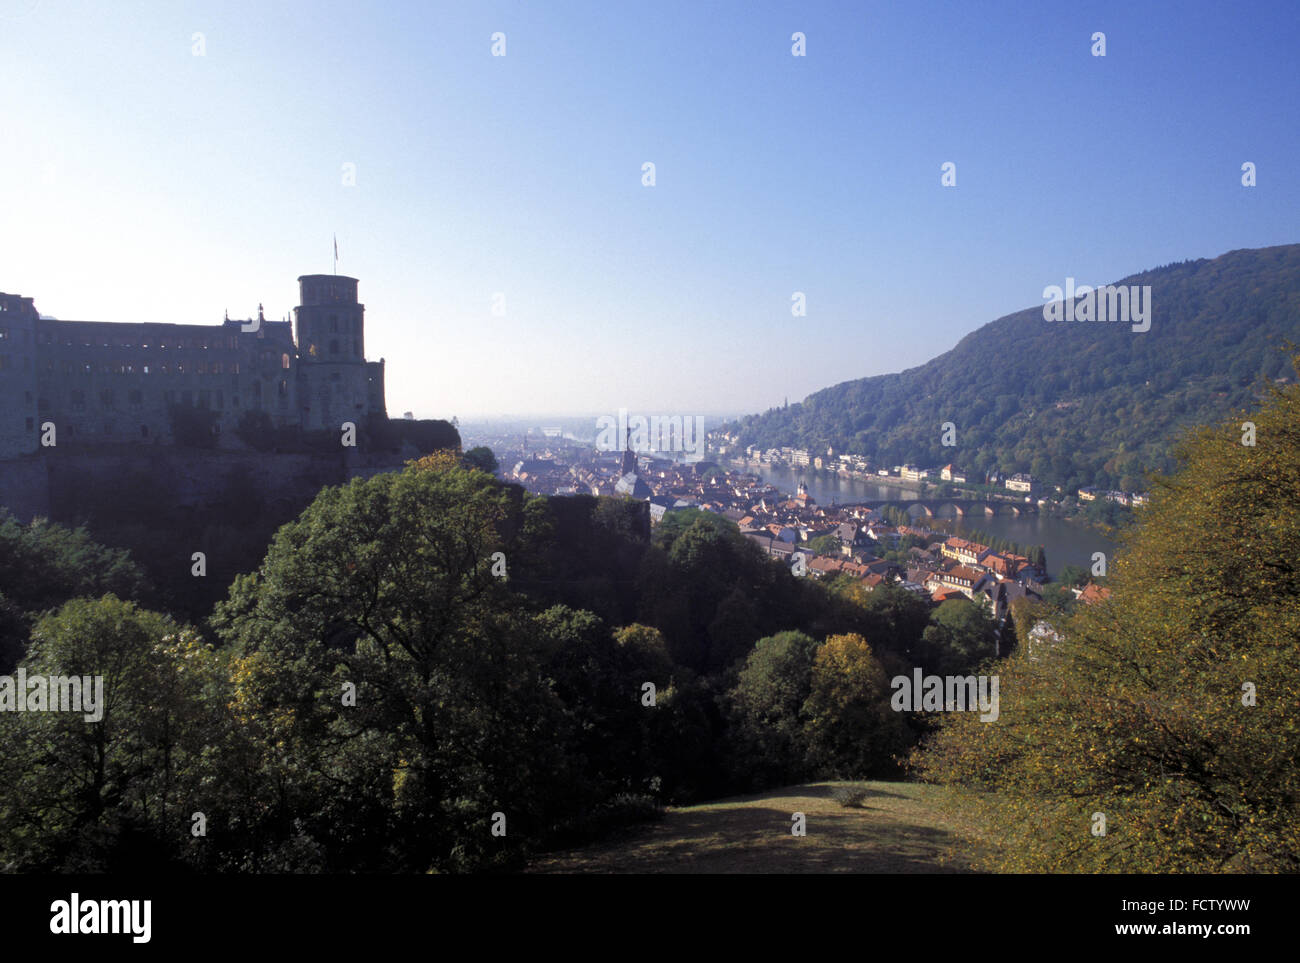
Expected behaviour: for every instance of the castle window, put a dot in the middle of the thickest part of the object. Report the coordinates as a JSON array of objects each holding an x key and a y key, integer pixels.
[
  {"x": 180, "y": 367},
  {"x": 135, "y": 397},
  {"x": 67, "y": 367},
  {"x": 4, "y": 362},
  {"x": 106, "y": 398},
  {"x": 201, "y": 368},
  {"x": 162, "y": 343},
  {"x": 334, "y": 346},
  {"x": 234, "y": 401},
  {"x": 78, "y": 401},
  {"x": 4, "y": 334},
  {"x": 221, "y": 398},
  {"x": 284, "y": 362},
  {"x": 144, "y": 369},
  {"x": 30, "y": 424},
  {"x": 162, "y": 369},
  {"x": 86, "y": 368},
  {"x": 234, "y": 368},
  {"x": 144, "y": 431},
  {"x": 284, "y": 388},
  {"x": 335, "y": 376},
  {"x": 334, "y": 323},
  {"x": 205, "y": 398},
  {"x": 187, "y": 397}
]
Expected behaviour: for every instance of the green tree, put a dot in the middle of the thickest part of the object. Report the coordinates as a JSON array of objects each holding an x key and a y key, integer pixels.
[
  {"x": 766, "y": 707},
  {"x": 384, "y": 589},
  {"x": 960, "y": 636},
  {"x": 825, "y": 545},
  {"x": 1073, "y": 575},
  {"x": 43, "y": 565},
  {"x": 482, "y": 458},
  {"x": 118, "y": 792},
  {"x": 1169, "y": 707},
  {"x": 851, "y": 730}
]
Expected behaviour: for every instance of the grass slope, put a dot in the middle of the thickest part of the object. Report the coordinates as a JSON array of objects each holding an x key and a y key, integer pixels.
[{"x": 900, "y": 828}]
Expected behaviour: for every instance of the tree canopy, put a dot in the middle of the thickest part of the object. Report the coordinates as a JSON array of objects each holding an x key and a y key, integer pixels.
[{"x": 1159, "y": 733}]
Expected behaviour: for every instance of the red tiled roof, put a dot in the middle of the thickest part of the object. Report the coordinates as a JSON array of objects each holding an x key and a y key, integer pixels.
[{"x": 1093, "y": 592}]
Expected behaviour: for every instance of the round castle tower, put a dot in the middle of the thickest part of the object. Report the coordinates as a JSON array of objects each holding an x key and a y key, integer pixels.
[{"x": 333, "y": 379}]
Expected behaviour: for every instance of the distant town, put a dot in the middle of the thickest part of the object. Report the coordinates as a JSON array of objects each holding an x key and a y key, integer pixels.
[
  {"x": 944, "y": 480},
  {"x": 869, "y": 544}
]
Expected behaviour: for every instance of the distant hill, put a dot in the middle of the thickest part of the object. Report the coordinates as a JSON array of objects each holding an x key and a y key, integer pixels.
[{"x": 1073, "y": 403}]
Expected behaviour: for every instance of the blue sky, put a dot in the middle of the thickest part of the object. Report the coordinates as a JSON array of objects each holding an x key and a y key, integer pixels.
[{"x": 139, "y": 182}]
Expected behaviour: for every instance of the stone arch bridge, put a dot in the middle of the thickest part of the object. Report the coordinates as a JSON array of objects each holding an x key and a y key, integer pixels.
[{"x": 961, "y": 507}]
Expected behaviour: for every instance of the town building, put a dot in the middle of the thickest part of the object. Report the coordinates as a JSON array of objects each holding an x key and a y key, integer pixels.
[{"x": 1020, "y": 483}]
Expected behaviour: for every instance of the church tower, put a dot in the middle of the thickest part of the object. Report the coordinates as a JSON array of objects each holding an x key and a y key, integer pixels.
[
  {"x": 333, "y": 378},
  {"x": 628, "y": 464}
]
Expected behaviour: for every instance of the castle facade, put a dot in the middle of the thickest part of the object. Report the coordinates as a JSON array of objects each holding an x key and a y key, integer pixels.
[{"x": 123, "y": 383}]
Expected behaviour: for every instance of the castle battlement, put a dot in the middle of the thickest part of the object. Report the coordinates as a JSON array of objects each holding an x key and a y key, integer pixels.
[{"x": 122, "y": 382}]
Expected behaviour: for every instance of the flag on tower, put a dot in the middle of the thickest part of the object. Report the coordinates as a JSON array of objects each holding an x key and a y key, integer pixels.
[{"x": 336, "y": 254}]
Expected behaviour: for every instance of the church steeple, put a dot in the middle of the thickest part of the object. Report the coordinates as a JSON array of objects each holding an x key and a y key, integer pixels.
[{"x": 629, "y": 456}]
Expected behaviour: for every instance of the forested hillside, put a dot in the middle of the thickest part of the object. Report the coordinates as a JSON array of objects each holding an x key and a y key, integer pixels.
[{"x": 1074, "y": 403}]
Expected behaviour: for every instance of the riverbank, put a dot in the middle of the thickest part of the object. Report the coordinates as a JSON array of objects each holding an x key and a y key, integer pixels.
[{"x": 1064, "y": 541}]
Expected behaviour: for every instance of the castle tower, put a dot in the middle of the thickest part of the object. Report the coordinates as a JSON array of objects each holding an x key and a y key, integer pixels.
[{"x": 333, "y": 378}]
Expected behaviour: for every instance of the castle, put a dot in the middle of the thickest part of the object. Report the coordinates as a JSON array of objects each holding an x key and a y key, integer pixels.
[{"x": 115, "y": 382}]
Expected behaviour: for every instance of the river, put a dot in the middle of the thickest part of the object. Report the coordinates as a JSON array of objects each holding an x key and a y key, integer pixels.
[{"x": 1064, "y": 542}]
